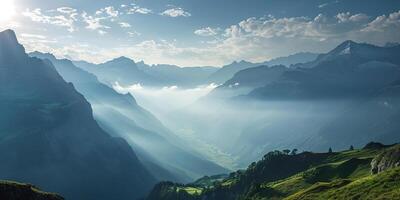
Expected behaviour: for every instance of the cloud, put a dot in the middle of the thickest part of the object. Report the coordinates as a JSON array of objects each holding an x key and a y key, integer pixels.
[
  {"x": 383, "y": 23},
  {"x": 138, "y": 9},
  {"x": 133, "y": 33},
  {"x": 64, "y": 17},
  {"x": 101, "y": 32},
  {"x": 173, "y": 96},
  {"x": 208, "y": 31},
  {"x": 176, "y": 12},
  {"x": 347, "y": 17},
  {"x": 254, "y": 39},
  {"x": 66, "y": 10},
  {"x": 124, "y": 24},
  {"x": 36, "y": 36},
  {"x": 327, "y": 4},
  {"x": 110, "y": 11},
  {"x": 94, "y": 23}
]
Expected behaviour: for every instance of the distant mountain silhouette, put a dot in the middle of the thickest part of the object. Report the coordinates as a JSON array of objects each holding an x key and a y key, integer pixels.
[
  {"x": 48, "y": 136},
  {"x": 228, "y": 71},
  {"x": 298, "y": 58},
  {"x": 247, "y": 80},
  {"x": 122, "y": 70},
  {"x": 127, "y": 72},
  {"x": 350, "y": 70},
  {"x": 186, "y": 77}
]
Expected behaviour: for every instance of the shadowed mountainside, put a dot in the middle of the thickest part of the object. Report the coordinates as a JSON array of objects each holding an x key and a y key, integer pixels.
[{"x": 48, "y": 136}]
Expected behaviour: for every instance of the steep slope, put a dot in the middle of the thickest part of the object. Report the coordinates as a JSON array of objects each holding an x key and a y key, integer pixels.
[
  {"x": 49, "y": 137},
  {"x": 342, "y": 175},
  {"x": 18, "y": 191},
  {"x": 121, "y": 116}
]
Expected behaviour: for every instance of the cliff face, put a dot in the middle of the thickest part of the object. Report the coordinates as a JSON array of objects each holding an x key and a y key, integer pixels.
[
  {"x": 48, "y": 136},
  {"x": 386, "y": 160},
  {"x": 19, "y": 191}
]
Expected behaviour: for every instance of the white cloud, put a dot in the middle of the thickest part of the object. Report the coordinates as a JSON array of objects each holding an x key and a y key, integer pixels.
[
  {"x": 208, "y": 31},
  {"x": 110, "y": 11},
  {"x": 347, "y": 17},
  {"x": 327, "y": 4},
  {"x": 66, "y": 10},
  {"x": 383, "y": 23},
  {"x": 124, "y": 24},
  {"x": 94, "y": 23},
  {"x": 176, "y": 12},
  {"x": 253, "y": 39},
  {"x": 138, "y": 9},
  {"x": 133, "y": 33},
  {"x": 36, "y": 36},
  {"x": 65, "y": 17},
  {"x": 101, "y": 32}
]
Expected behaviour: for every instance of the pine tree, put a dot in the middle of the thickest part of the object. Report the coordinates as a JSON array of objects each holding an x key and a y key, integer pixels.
[
  {"x": 351, "y": 148},
  {"x": 330, "y": 150}
]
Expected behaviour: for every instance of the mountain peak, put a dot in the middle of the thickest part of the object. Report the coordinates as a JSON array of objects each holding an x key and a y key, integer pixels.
[
  {"x": 8, "y": 34},
  {"x": 123, "y": 58},
  {"x": 9, "y": 46},
  {"x": 345, "y": 47}
]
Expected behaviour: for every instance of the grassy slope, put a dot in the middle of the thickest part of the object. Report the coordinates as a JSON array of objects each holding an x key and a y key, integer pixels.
[
  {"x": 385, "y": 185},
  {"x": 343, "y": 175}
]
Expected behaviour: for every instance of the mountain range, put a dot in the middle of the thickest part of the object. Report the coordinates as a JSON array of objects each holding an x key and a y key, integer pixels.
[{"x": 126, "y": 72}]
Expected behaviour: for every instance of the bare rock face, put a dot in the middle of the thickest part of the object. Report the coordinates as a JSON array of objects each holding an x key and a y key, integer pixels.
[
  {"x": 19, "y": 191},
  {"x": 388, "y": 159}
]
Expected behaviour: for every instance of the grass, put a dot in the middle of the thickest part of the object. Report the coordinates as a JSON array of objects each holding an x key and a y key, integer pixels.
[
  {"x": 190, "y": 190},
  {"x": 343, "y": 175},
  {"x": 385, "y": 185}
]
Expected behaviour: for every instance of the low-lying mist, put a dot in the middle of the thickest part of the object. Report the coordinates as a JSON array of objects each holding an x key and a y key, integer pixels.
[
  {"x": 235, "y": 132},
  {"x": 161, "y": 101}
]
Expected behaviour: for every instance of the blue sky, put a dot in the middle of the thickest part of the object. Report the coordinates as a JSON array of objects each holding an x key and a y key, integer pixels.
[{"x": 198, "y": 32}]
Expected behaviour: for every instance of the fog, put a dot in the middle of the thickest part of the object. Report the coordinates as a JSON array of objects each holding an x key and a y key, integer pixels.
[
  {"x": 161, "y": 101},
  {"x": 234, "y": 132}
]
